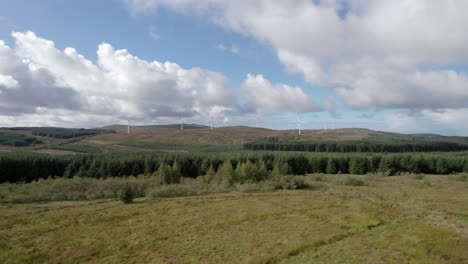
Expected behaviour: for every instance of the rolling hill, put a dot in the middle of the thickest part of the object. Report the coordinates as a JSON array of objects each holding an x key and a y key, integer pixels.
[{"x": 198, "y": 137}]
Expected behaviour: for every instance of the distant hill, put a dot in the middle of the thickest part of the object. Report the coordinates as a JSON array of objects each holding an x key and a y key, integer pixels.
[{"x": 194, "y": 134}]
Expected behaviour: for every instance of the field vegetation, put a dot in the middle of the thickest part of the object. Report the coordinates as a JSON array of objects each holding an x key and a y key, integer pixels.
[
  {"x": 334, "y": 219},
  {"x": 209, "y": 196}
]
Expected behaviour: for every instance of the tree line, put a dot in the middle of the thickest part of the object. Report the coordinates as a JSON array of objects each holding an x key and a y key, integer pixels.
[
  {"x": 357, "y": 146},
  {"x": 28, "y": 167},
  {"x": 65, "y": 133},
  {"x": 18, "y": 140}
]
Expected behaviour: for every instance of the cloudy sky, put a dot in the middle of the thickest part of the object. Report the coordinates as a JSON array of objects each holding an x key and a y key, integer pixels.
[{"x": 397, "y": 65}]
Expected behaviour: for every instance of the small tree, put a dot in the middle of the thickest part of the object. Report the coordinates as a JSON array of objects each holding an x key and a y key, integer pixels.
[
  {"x": 165, "y": 174},
  {"x": 226, "y": 173},
  {"x": 126, "y": 194},
  {"x": 262, "y": 171},
  {"x": 210, "y": 174},
  {"x": 332, "y": 166},
  {"x": 175, "y": 171},
  {"x": 276, "y": 171}
]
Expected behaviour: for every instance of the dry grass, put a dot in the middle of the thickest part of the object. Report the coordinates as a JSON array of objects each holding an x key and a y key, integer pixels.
[{"x": 391, "y": 220}]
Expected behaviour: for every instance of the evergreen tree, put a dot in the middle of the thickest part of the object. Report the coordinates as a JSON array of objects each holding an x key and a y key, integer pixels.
[
  {"x": 276, "y": 171},
  {"x": 332, "y": 166},
  {"x": 210, "y": 174},
  {"x": 225, "y": 173},
  {"x": 175, "y": 172},
  {"x": 262, "y": 172}
]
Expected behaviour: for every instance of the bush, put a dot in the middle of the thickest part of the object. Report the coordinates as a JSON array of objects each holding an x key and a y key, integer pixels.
[
  {"x": 126, "y": 194},
  {"x": 350, "y": 181},
  {"x": 292, "y": 183},
  {"x": 76, "y": 188}
]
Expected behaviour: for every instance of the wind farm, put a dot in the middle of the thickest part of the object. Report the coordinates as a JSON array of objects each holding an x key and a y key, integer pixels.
[{"x": 234, "y": 131}]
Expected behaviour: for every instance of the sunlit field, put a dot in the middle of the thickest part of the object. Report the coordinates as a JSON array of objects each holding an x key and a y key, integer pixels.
[{"x": 397, "y": 219}]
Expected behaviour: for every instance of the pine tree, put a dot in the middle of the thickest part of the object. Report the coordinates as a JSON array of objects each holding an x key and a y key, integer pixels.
[
  {"x": 275, "y": 172},
  {"x": 262, "y": 172},
  {"x": 175, "y": 172},
  {"x": 332, "y": 166},
  {"x": 225, "y": 173},
  {"x": 210, "y": 174}
]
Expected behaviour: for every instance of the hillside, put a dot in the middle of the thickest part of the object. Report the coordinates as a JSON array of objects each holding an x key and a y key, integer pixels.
[{"x": 194, "y": 137}]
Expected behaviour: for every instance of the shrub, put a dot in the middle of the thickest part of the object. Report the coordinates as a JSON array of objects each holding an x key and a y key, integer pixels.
[
  {"x": 292, "y": 183},
  {"x": 265, "y": 186},
  {"x": 350, "y": 181},
  {"x": 126, "y": 194}
]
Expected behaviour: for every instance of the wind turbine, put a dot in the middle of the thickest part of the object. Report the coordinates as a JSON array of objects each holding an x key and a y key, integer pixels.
[
  {"x": 211, "y": 122},
  {"x": 181, "y": 122},
  {"x": 257, "y": 117},
  {"x": 128, "y": 125},
  {"x": 299, "y": 121}
]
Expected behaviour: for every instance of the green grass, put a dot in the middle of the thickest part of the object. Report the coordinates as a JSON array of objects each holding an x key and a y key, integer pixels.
[{"x": 389, "y": 220}]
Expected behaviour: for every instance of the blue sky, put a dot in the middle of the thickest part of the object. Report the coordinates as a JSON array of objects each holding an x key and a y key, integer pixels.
[{"x": 318, "y": 62}]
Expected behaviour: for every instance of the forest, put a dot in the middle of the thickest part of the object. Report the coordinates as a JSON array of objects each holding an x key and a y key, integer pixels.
[
  {"x": 357, "y": 146},
  {"x": 27, "y": 167},
  {"x": 18, "y": 140},
  {"x": 65, "y": 133}
]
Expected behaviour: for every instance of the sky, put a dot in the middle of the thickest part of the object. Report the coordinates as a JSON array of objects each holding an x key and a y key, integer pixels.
[{"x": 397, "y": 65}]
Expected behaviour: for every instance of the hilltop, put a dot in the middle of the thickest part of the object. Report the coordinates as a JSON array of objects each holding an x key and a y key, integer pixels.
[{"x": 171, "y": 138}]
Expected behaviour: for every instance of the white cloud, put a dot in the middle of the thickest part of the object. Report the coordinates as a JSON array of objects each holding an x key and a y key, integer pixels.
[
  {"x": 263, "y": 96},
  {"x": 62, "y": 86},
  {"x": 36, "y": 75},
  {"x": 382, "y": 54},
  {"x": 444, "y": 121},
  {"x": 25, "y": 87},
  {"x": 8, "y": 82},
  {"x": 233, "y": 48}
]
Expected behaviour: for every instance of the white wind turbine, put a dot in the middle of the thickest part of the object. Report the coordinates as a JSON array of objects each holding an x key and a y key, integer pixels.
[
  {"x": 257, "y": 120},
  {"x": 129, "y": 122},
  {"x": 181, "y": 122},
  {"x": 211, "y": 122},
  {"x": 299, "y": 123}
]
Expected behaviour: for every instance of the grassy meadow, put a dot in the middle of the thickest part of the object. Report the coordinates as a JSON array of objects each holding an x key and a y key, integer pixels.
[{"x": 398, "y": 219}]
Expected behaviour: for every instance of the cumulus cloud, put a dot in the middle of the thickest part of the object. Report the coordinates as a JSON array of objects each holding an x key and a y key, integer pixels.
[
  {"x": 36, "y": 76},
  {"x": 62, "y": 86},
  {"x": 443, "y": 121},
  {"x": 373, "y": 54},
  {"x": 8, "y": 82},
  {"x": 263, "y": 96},
  {"x": 24, "y": 88}
]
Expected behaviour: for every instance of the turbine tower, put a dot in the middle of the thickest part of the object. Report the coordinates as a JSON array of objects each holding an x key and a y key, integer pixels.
[
  {"x": 299, "y": 123},
  {"x": 211, "y": 122},
  {"x": 181, "y": 122},
  {"x": 256, "y": 119},
  {"x": 128, "y": 125}
]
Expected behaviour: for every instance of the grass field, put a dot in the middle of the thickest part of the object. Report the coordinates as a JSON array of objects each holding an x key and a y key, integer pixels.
[{"x": 399, "y": 219}]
